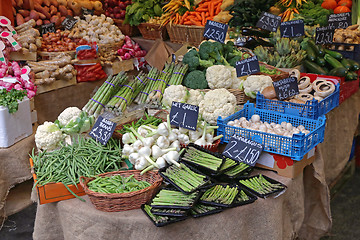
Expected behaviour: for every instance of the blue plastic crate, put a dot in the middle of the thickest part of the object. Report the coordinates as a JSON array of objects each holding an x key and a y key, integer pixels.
[
  {"x": 294, "y": 147},
  {"x": 311, "y": 109}
]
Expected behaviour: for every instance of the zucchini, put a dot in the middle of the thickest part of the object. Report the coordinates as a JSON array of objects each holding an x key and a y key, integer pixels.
[
  {"x": 332, "y": 61},
  {"x": 351, "y": 76},
  {"x": 334, "y": 54},
  {"x": 310, "y": 53},
  {"x": 346, "y": 63},
  {"x": 320, "y": 61},
  {"x": 313, "y": 68},
  {"x": 339, "y": 72},
  {"x": 354, "y": 65},
  {"x": 321, "y": 50},
  {"x": 315, "y": 48}
]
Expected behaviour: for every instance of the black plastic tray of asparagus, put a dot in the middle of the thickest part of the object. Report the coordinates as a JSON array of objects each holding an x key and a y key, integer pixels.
[
  {"x": 262, "y": 186},
  {"x": 203, "y": 159},
  {"x": 186, "y": 179},
  {"x": 160, "y": 221},
  {"x": 171, "y": 212},
  {"x": 201, "y": 210},
  {"x": 234, "y": 170},
  {"x": 174, "y": 199}
]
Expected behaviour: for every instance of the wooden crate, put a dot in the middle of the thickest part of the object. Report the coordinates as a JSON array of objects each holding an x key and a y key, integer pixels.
[
  {"x": 55, "y": 85},
  {"x": 19, "y": 56},
  {"x": 119, "y": 66}
]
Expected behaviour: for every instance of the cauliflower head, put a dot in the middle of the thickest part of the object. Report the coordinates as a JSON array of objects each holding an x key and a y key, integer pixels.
[
  {"x": 177, "y": 93},
  {"x": 256, "y": 83},
  {"x": 195, "y": 97},
  {"x": 237, "y": 81},
  {"x": 70, "y": 113},
  {"x": 219, "y": 76},
  {"x": 218, "y": 102},
  {"x": 48, "y": 136}
]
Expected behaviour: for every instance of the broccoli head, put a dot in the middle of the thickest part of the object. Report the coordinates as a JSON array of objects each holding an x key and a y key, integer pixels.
[
  {"x": 193, "y": 60},
  {"x": 213, "y": 50},
  {"x": 235, "y": 59},
  {"x": 195, "y": 80}
]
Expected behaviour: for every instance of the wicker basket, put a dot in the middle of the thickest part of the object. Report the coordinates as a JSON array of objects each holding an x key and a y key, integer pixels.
[
  {"x": 127, "y": 29},
  {"x": 185, "y": 34},
  {"x": 115, "y": 202},
  {"x": 241, "y": 98},
  {"x": 275, "y": 77},
  {"x": 153, "y": 31},
  {"x": 118, "y": 135}
]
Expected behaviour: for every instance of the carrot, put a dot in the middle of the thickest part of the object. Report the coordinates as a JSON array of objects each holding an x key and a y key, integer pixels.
[
  {"x": 218, "y": 9},
  {"x": 211, "y": 9},
  {"x": 195, "y": 22},
  {"x": 206, "y": 14},
  {"x": 203, "y": 18},
  {"x": 198, "y": 16},
  {"x": 202, "y": 10},
  {"x": 188, "y": 23},
  {"x": 183, "y": 17}
]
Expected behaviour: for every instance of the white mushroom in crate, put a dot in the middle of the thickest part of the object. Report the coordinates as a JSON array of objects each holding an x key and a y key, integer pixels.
[
  {"x": 324, "y": 89},
  {"x": 304, "y": 85},
  {"x": 294, "y": 73}
]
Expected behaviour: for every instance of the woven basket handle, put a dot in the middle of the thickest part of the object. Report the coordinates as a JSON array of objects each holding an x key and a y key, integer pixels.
[{"x": 161, "y": 111}]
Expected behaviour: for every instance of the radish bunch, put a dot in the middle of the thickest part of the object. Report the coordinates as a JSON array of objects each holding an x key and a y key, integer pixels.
[
  {"x": 130, "y": 49},
  {"x": 18, "y": 81},
  {"x": 116, "y": 8}
]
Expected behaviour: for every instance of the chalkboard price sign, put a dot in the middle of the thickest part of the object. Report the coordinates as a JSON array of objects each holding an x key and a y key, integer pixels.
[
  {"x": 243, "y": 150},
  {"x": 324, "y": 35},
  {"x": 286, "y": 88},
  {"x": 291, "y": 29},
  {"x": 102, "y": 130},
  {"x": 184, "y": 115},
  {"x": 86, "y": 11},
  {"x": 47, "y": 28},
  {"x": 69, "y": 22},
  {"x": 247, "y": 66},
  {"x": 215, "y": 31},
  {"x": 268, "y": 22},
  {"x": 341, "y": 20}
]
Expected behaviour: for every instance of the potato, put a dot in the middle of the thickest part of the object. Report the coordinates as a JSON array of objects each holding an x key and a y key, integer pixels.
[
  {"x": 42, "y": 16},
  {"x": 39, "y": 22},
  {"x": 42, "y": 10},
  {"x": 40, "y": 2},
  {"x": 24, "y": 13},
  {"x": 28, "y": 4},
  {"x": 46, "y": 21},
  {"x": 20, "y": 4},
  {"x": 34, "y": 15},
  {"x": 19, "y": 19},
  {"x": 70, "y": 13},
  {"x": 53, "y": 10},
  {"x": 47, "y": 3},
  {"x": 63, "y": 10},
  {"x": 55, "y": 19}
]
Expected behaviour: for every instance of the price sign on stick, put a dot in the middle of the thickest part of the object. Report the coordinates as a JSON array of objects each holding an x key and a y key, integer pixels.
[
  {"x": 268, "y": 22},
  {"x": 184, "y": 115},
  {"x": 291, "y": 29},
  {"x": 247, "y": 66},
  {"x": 324, "y": 35},
  {"x": 102, "y": 130},
  {"x": 47, "y": 28},
  {"x": 215, "y": 31},
  {"x": 286, "y": 88},
  {"x": 341, "y": 20},
  {"x": 69, "y": 22},
  {"x": 243, "y": 150}
]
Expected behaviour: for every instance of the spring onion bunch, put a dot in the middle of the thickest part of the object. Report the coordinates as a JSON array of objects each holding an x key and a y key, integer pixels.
[
  {"x": 261, "y": 185},
  {"x": 104, "y": 93},
  {"x": 117, "y": 184},
  {"x": 202, "y": 158},
  {"x": 127, "y": 93},
  {"x": 220, "y": 194},
  {"x": 184, "y": 177},
  {"x": 173, "y": 198}
]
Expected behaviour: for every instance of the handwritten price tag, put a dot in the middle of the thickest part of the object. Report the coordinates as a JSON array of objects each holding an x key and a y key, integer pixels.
[
  {"x": 102, "y": 130},
  {"x": 269, "y": 22},
  {"x": 69, "y": 22},
  {"x": 286, "y": 88},
  {"x": 291, "y": 29},
  {"x": 215, "y": 31},
  {"x": 324, "y": 35},
  {"x": 47, "y": 28},
  {"x": 341, "y": 20},
  {"x": 184, "y": 115},
  {"x": 243, "y": 150},
  {"x": 247, "y": 66}
]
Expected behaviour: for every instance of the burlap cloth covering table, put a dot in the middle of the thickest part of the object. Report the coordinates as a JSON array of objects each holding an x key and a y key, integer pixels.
[
  {"x": 303, "y": 211},
  {"x": 14, "y": 169}
]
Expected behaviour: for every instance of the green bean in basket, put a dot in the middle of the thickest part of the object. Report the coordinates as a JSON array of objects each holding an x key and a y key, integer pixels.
[
  {"x": 261, "y": 185},
  {"x": 173, "y": 198},
  {"x": 117, "y": 184},
  {"x": 184, "y": 177},
  {"x": 236, "y": 170},
  {"x": 220, "y": 194},
  {"x": 202, "y": 158},
  {"x": 85, "y": 157}
]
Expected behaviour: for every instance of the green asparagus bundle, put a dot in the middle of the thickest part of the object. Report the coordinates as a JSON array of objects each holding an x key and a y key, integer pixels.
[
  {"x": 260, "y": 185},
  {"x": 155, "y": 96},
  {"x": 152, "y": 78},
  {"x": 126, "y": 95},
  {"x": 236, "y": 170},
  {"x": 242, "y": 197},
  {"x": 158, "y": 211},
  {"x": 117, "y": 184},
  {"x": 202, "y": 158},
  {"x": 157, "y": 219},
  {"x": 201, "y": 209},
  {"x": 173, "y": 198},
  {"x": 178, "y": 74},
  {"x": 220, "y": 194},
  {"x": 104, "y": 93},
  {"x": 184, "y": 177},
  {"x": 227, "y": 164}
]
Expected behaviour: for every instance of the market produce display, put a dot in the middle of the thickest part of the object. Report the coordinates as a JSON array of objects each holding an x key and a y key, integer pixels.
[
  {"x": 173, "y": 198},
  {"x": 220, "y": 194},
  {"x": 200, "y": 209},
  {"x": 116, "y": 9},
  {"x": 141, "y": 11},
  {"x": 117, "y": 184},
  {"x": 28, "y": 37},
  {"x": 9, "y": 99},
  {"x": 260, "y": 185},
  {"x": 201, "y": 158},
  {"x": 60, "y": 42}
]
